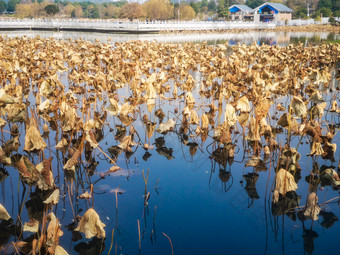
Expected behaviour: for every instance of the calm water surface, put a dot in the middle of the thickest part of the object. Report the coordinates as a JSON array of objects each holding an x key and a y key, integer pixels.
[{"x": 204, "y": 206}]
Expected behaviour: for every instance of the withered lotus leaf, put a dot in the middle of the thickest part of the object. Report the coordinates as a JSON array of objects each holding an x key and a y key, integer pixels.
[
  {"x": 194, "y": 119},
  {"x": 53, "y": 198},
  {"x": 243, "y": 104},
  {"x": 2, "y": 122},
  {"x": 85, "y": 195},
  {"x": 253, "y": 130},
  {"x": 5, "y": 98},
  {"x": 299, "y": 107},
  {"x": 204, "y": 122},
  {"x": 45, "y": 177},
  {"x": 127, "y": 143},
  {"x": 189, "y": 99},
  {"x": 284, "y": 182},
  {"x": 230, "y": 115},
  {"x": 60, "y": 250},
  {"x": 90, "y": 138},
  {"x": 243, "y": 119},
  {"x": 312, "y": 209},
  {"x": 288, "y": 122},
  {"x": 54, "y": 232},
  {"x": 16, "y": 112},
  {"x": 316, "y": 149},
  {"x": 334, "y": 107},
  {"x": 166, "y": 127},
  {"x": 4, "y": 159},
  {"x": 31, "y": 226},
  {"x": 33, "y": 139},
  {"x": 91, "y": 225},
  {"x": 73, "y": 161},
  {"x": 61, "y": 144},
  {"x": 3, "y": 213}
]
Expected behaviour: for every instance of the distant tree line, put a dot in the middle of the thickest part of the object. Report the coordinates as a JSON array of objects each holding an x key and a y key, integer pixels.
[{"x": 158, "y": 9}]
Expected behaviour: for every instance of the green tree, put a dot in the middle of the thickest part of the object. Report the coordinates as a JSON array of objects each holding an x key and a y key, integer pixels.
[
  {"x": 51, "y": 9},
  {"x": 3, "y": 6},
  {"x": 254, "y": 3},
  {"x": 195, "y": 6},
  {"x": 325, "y": 4},
  {"x": 212, "y": 6},
  {"x": 11, "y": 5},
  {"x": 91, "y": 12},
  {"x": 326, "y": 12},
  {"x": 223, "y": 8},
  {"x": 301, "y": 13}
]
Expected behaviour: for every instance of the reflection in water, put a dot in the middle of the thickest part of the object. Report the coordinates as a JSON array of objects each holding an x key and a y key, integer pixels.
[{"x": 270, "y": 38}]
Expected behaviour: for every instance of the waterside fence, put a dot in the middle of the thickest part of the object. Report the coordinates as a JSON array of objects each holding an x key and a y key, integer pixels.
[{"x": 99, "y": 25}]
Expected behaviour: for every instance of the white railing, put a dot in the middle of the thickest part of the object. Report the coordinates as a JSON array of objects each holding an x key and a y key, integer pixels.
[
  {"x": 137, "y": 26},
  {"x": 301, "y": 22}
]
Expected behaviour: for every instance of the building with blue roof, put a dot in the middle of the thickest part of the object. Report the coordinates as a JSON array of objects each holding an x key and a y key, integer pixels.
[
  {"x": 241, "y": 12},
  {"x": 272, "y": 12}
]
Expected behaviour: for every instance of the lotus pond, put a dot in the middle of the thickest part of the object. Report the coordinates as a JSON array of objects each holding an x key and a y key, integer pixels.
[{"x": 157, "y": 148}]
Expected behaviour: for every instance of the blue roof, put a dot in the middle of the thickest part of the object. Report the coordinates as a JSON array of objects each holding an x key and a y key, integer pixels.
[
  {"x": 242, "y": 7},
  {"x": 278, "y": 7}
]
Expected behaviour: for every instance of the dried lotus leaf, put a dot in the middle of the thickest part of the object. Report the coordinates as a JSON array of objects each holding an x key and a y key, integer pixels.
[
  {"x": 288, "y": 123},
  {"x": 91, "y": 225},
  {"x": 253, "y": 130},
  {"x": 53, "y": 198},
  {"x": 16, "y": 112},
  {"x": 150, "y": 104},
  {"x": 243, "y": 104},
  {"x": 166, "y": 127},
  {"x": 2, "y": 122},
  {"x": 127, "y": 143},
  {"x": 230, "y": 115},
  {"x": 316, "y": 149},
  {"x": 4, "y": 159},
  {"x": 262, "y": 109},
  {"x": 334, "y": 106},
  {"x": 85, "y": 195},
  {"x": 299, "y": 107},
  {"x": 54, "y": 231},
  {"x": 31, "y": 226},
  {"x": 312, "y": 209},
  {"x": 317, "y": 98},
  {"x": 150, "y": 128},
  {"x": 46, "y": 130},
  {"x": 285, "y": 182},
  {"x": 69, "y": 120},
  {"x": 194, "y": 118},
  {"x": 73, "y": 161},
  {"x": 189, "y": 99},
  {"x": 3, "y": 213},
  {"x": 61, "y": 144},
  {"x": 5, "y": 98},
  {"x": 91, "y": 139},
  {"x": 243, "y": 119},
  {"x": 114, "y": 107},
  {"x": 45, "y": 180},
  {"x": 45, "y": 106},
  {"x": 33, "y": 139},
  {"x": 318, "y": 110},
  {"x": 60, "y": 251},
  {"x": 204, "y": 122},
  {"x": 125, "y": 109}
]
